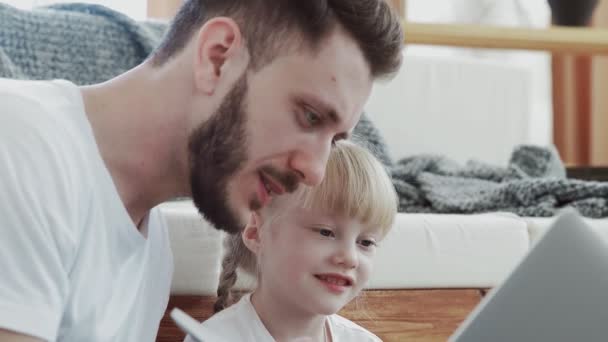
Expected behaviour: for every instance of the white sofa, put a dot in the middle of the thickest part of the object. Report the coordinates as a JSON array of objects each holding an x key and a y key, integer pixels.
[{"x": 422, "y": 251}]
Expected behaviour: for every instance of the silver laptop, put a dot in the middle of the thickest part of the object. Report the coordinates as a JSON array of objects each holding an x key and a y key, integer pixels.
[{"x": 559, "y": 291}]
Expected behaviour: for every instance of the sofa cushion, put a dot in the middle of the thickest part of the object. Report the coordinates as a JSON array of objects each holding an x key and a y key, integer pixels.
[
  {"x": 449, "y": 250},
  {"x": 197, "y": 249},
  {"x": 421, "y": 251}
]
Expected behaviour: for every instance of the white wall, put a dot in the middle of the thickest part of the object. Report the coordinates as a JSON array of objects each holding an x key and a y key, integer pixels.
[
  {"x": 532, "y": 125},
  {"x": 516, "y": 13},
  {"x": 454, "y": 106}
]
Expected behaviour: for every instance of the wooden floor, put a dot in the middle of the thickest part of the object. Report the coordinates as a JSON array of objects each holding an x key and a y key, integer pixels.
[{"x": 393, "y": 315}]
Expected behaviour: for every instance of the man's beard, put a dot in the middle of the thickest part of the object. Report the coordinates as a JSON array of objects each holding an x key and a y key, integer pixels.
[{"x": 217, "y": 151}]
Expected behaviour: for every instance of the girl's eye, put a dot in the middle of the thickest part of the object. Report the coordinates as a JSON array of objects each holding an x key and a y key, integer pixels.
[
  {"x": 326, "y": 232},
  {"x": 367, "y": 243}
]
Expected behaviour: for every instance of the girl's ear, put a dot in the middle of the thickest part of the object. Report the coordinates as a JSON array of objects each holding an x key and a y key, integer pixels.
[{"x": 251, "y": 233}]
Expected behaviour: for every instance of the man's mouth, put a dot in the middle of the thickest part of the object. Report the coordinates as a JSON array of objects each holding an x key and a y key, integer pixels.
[
  {"x": 272, "y": 186},
  {"x": 268, "y": 188}
]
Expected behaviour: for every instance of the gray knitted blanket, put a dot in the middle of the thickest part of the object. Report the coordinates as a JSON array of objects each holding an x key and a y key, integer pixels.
[
  {"x": 533, "y": 184},
  {"x": 82, "y": 43},
  {"x": 88, "y": 44}
]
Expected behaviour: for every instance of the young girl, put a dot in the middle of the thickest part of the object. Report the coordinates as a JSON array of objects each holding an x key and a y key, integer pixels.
[{"x": 311, "y": 253}]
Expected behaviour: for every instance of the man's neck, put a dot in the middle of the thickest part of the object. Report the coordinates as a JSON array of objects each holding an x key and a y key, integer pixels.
[
  {"x": 141, "y": 136},
  {"x": 285, "y": 323}
]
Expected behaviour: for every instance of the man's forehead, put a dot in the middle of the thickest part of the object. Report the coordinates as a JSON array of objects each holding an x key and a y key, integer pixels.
[{"x": 336, "y": 77}]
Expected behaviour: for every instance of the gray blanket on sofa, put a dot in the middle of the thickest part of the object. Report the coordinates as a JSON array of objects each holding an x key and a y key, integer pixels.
[
  {"x": 88, "y": 44},
  {"x": 83, "y": 43},
  {"x": 533, "y": 184}
]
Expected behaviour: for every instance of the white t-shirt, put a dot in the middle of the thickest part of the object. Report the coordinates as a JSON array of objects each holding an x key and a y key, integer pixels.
[
  {"x": 73, "y": 266},
  {"x": 241, "y": 323}
]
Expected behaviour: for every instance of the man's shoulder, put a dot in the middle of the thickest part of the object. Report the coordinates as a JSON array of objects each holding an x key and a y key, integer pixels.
[
  {"x": 347, "y": 330},
  {"x": 19, "y": 98},
  {"x": 31, "y": 91},
  {"x": 34, "y": 137},
  {"x": 41, "y": 115},
  {"x": 43, "y": 105}
]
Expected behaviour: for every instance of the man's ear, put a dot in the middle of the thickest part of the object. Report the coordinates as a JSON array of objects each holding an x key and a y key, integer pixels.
[
  {"x": 219, "y": 54},
  {"x": 251, "y": 235}
]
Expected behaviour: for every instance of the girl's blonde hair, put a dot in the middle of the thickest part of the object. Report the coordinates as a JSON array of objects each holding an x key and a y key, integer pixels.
[{"x": 355, "y": 185}]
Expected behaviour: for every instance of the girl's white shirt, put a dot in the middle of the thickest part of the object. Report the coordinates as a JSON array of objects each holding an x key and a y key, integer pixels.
[{"x": 240, "y": 322}]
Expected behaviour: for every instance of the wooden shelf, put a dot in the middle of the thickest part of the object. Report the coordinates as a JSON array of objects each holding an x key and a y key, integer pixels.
[{"x": 555, "y": 39}]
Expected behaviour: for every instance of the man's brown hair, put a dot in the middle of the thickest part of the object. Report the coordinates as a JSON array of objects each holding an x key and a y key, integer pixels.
[{"x": 270, "y": 27}]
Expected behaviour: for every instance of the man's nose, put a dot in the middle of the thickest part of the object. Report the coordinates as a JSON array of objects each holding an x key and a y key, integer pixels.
[{"x": 310, "y": 163}]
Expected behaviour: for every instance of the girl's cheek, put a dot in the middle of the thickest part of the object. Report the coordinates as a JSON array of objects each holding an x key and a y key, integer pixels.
[{"x": 366, "y": 264}]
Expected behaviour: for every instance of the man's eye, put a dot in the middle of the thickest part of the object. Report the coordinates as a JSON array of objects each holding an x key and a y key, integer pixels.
[{"x": 312, "y": 118}]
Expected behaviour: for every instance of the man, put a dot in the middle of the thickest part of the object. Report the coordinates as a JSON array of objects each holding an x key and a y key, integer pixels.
[{"x": 241, "y": 102}]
